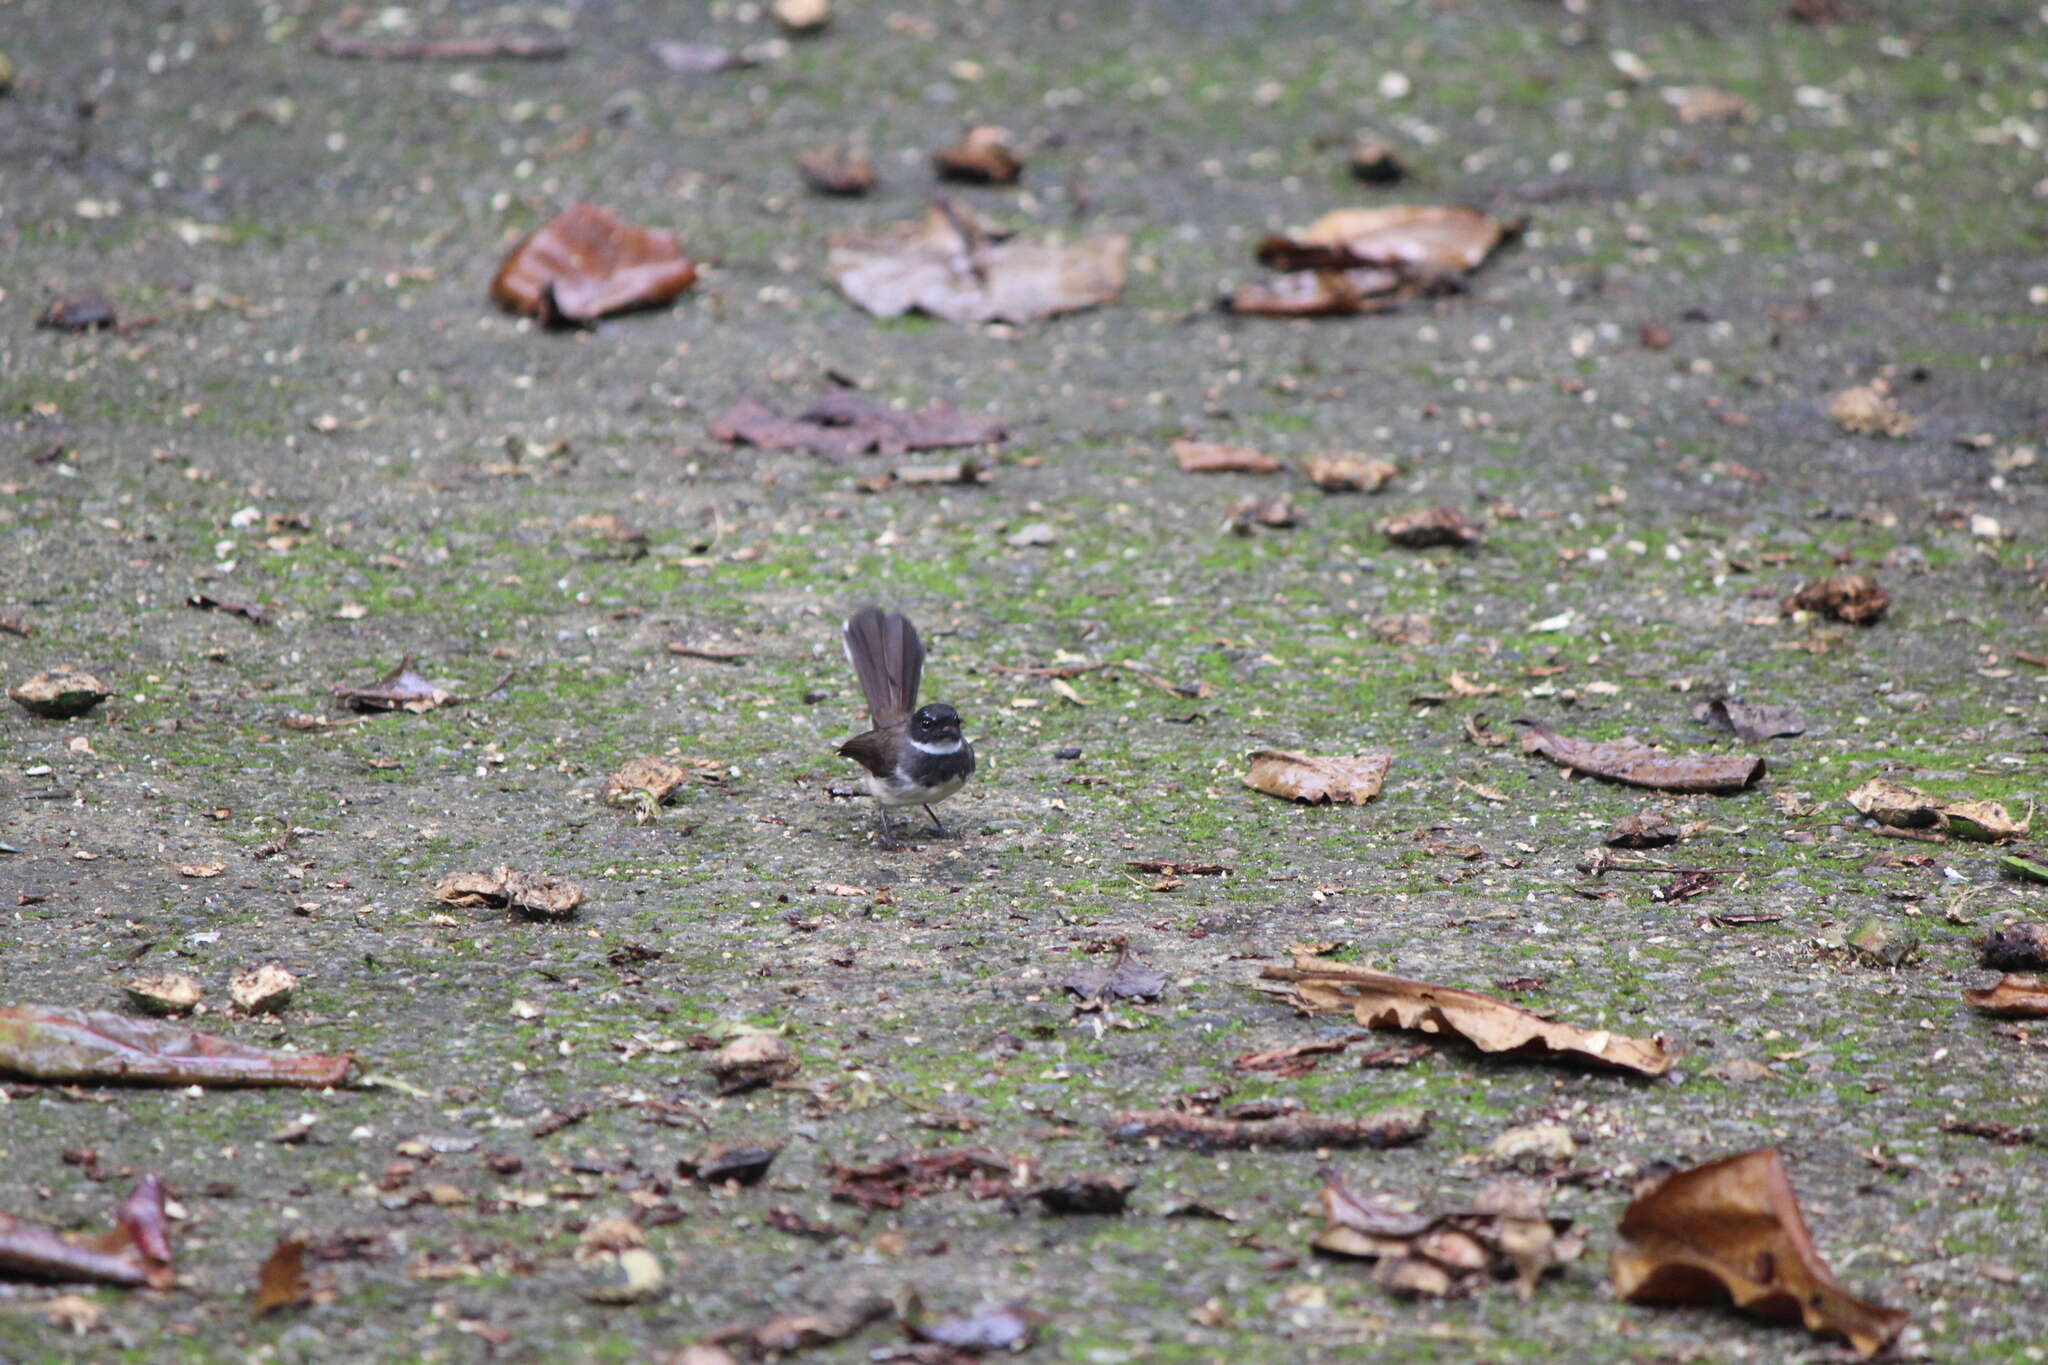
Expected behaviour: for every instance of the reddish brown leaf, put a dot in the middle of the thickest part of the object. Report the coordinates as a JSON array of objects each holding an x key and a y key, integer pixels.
[
  {"x": 583, "y": 264},
  {"x": 1380, "y": 1001},
  {"x": 1732, "y": 1231},
  {"x": 983, "y": 157},
  {"x": 1296, "y": 1059},
  {"x": 836, "y": 170},
  {"x": 953, "y": 266},
  {"x": 1855, "y": 598},
  {"x": 1505, "y": 1234},
  {"x": 136, "y": 1252},
  {"x": 53, "y": 1043},
  {"x": 1352, "y": 780},
  {"x": 914, "y": 1175},
  {"x": 1208, "y": 457},
  {"x": 2013, "y": 997},
  {"x": 1636, "y": 764},
  {"x": 1294, "y": 1132},
  {"x": 281, "y": 1283}
]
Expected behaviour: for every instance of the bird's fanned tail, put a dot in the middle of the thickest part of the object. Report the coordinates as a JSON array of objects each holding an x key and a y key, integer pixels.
[{"x": 888, "y": 658}]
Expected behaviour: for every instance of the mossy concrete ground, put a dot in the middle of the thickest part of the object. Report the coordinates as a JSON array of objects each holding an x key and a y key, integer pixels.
[{"x": 325, "y": 415}]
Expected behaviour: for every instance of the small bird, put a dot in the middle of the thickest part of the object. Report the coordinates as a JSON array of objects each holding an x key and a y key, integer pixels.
[{"x": 915, "y": 755}]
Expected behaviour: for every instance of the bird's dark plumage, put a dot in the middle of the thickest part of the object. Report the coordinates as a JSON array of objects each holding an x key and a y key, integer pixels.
[
  {"x": 915, "y": 755},
  {"x": 888, "y": 658}
]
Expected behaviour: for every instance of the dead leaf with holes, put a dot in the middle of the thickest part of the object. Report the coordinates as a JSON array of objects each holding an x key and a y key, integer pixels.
[
  {"x": 1636, "y": 764},
  {"x": 1382, "y": 1001},
  {"x": 1339, "y": 780},
  {"x": 539, "y": 894},
  {"x": 1732, "y": 1231},
  {"x": 583, "y": 264},
  {"x": 954, "y": 266}
]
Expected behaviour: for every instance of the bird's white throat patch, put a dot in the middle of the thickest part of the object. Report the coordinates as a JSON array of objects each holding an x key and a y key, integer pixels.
[{"x": 952, "y": 747}]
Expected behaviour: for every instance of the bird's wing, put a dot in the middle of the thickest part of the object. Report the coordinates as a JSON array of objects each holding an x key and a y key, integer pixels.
[{"x": 870, "y": 751}]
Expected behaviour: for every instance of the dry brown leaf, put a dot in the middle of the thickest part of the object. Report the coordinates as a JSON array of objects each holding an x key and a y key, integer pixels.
[
  {"x": 1430, "y": 527},
  {"x": 1636, "y": 764},
  {"x": 171, "y": 993},
  {"x": 1707, "y": 104},
  {"x": 1322, "y": 294},
  {"x": 1870, "y": 410},
  {"x": 644, "y": 779},
  {"x": 2014, "y": 997},
  {"x": 201, "y": 871},
  {"x": 404, "y": 688},
  {"x": 1379, "y": 1000},
  {"x": 1855, "y": 598},
  {"x": 281, "y": 1283},
  {"x": 1416, "y": 239},
  {"x": 262, "y": 990},
  {"x": 1208, "y": 457},
  {"x": 1731, "y": 1230},
  {"x": 54, "y": 1043},
  {"x": 1294, "y": 1131},
  {"x": 1305, "y": 777},
  {"x": 983, "y": 157},
  {"x": 583, "y": 264},
  {"x": 1902, "y": 807},
  {"x": 836, "y": 170},
  {"x": 1348, "y": 473},
  {"x": 60, "y": 693},
  {"x": 136, "y": 1252},
  {"x": 953, "y": 266},
  {"x": 752, "y": 1060},
  {"x": 1506, "y": 1234},
  {"x": 539, "y": 894}
]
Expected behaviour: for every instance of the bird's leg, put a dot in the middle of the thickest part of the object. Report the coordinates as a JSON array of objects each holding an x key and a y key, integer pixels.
[
  {"x": 888, "y": 839},
  {"x": 943, "y": 832}
]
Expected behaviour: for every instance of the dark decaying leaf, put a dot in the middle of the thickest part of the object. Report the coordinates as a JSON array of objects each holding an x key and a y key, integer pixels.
[
  {"x": 1130, "y": 977},
  {"x": 1431, "y": 527},
  {"x": 1376, "y": 161},
  {"x": 1168, "y": 867},
  {"x": 1505, "y": 1235},
  {"x": 734, "y": 1162},
  {"x": 1636, "y": 764},
  {"x": 845, "y": 424},
  {"x": 136, "y": 1252},
  {"x": 808, "y": 1329},
  {"x": 953, "y": 266},
  {"x": 1002, "y": 1330},
  {"x": 84, "y": 311},
  {"x": 55, "y": 1043},
  {"x": 1292, "y": 1131},
  {"x": 836, "y": 170},
  {"x": 1380, "y": 1001},
  {"x": 404, "y": 688},
  {"x": 982, "y": 157},
  {"x": 1214, "y": 457},
  {"x": 2016, "y": 948},
  {"x": 248, "y": 611},
  {"x": 1732, "y": 1231},
  {"x": 1748, "y": 720},
  {"x": 60, "y": 694},
  {"x": 914, "y": 1175},
  {"x": 1340, "y": 780},
  {"x": 1855, "y": 598},
  {"x": 1642, "y": 829},
  {"x": 1085, "y": 1194},
  {"x": 281, "y": 1283},
  {"x": 2012, "y": 997},
  {"x": 583, "y": 264}
]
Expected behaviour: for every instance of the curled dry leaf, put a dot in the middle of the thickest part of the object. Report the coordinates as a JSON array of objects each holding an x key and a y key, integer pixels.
[
  {"x": 1852, "y": 597},
  {"x": 1382, "y": 1001},
  {"x": 953, "y": 266},
  {"x": 404, "y": 688},
  {"x": 734, "y": 1163},
  {"x": 1210, "y": 457},
  {"x": 1416, "y": 239},
  {"x": 1636, "y": 764},
  {"x": 1348, "y": 473},
  {"x": 262, "y": 990},
  {"x": 983, "y": 157},
  {"x": 1732, "y": 1230},
  {"x": 201, "y": 871},
  {"x": 1130, "y": 977},
  {"x": 251, "y": 612},
  {"x": 60, "y": 693},
  {"x": 845, "y": 424},
  {"x": 751, "y": 1061},
  {"x": 136, "y": 1252},
  {"x": 2013, "y": 997},
  {"x": 1292, "y": 1131},
  {"x": 1870, "y": 410},
  {"x": 282, "y": 1283},
  {"x": 1902, "y": 807},
  {"x": 1248, "y": 516},
  {"x": 54, "y": 1043},
  {"x": 1430, "y": 527},
  {"x": 1506, "y": 1234},
  {"x": 1321, "y": 294},
  {"x": 583, "y": 264},
  {"x": 1643, "y": 829},
  {"x": 644, "y": 779},
  {"x": 1748, "y": 720},
  {"x": 170, "y": 993},
  {"x": 836, "y": 170},
  {"x": 539, "y": 894},
  {"x": 1305, "y": 777}
]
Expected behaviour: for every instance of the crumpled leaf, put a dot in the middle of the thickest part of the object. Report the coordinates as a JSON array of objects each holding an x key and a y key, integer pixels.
[
  {"x": 55, "y": 1043},
  {"x": 1636, "y": 764},
  {"x": 982, "y": 157},
  {"x": 1322, "y": 294},
  {"x": 1855, "y": 598},
  {"x": 2013, "y": 997},
  {"x": 1288, "y": 1131},
  {"x": 262, "y": 990},
  {"x": 807, "y": 1329},
  {"x": 1419, "y": 240},
  {"x": 404, "y": 688},
  {"x": 836, "y": 170},
  {"x": 1212, "y": 457},
  {"x": 751, "y": 1061},
  {"x": 171, "y": 993},
  {"x": 1305, "y": 777},
  {"x": 1086, "y": 1194},
  {"x": 282, "y": 1283},
  {"x": 914, "y": 1175},
  {"x": 644, "y": 779},
  {"x": 60, "y": 693},
  {"x": 1902, "y": 807},
  {"x": 1430, "y": 527},
  {"x": 1247, "y": 516},
  {"x": 584, "y": 263},
  {"x": 1643, "y": 829},
  {"x": 540, "y": 894},
  {"x": 1383, "y": 1001},
  {"x": 1870, "y": 410},
  {"x": 953, "y": 266},
  {"x": 840, "y": 424},
  {"x": 738, "y": 1163},
  {"x": 1732, "y": 1230},
  {"x": 1749, "y": 720},
  {"x": 1506, "y": 1234},
  {"x": 1348, "y": 473},
  {"x": 1130, "y": 977},
  {"x": 137, "y": 1252}
]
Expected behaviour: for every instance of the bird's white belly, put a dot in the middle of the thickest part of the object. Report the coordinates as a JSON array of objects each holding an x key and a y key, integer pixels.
[{"x": 893, "y": 792}]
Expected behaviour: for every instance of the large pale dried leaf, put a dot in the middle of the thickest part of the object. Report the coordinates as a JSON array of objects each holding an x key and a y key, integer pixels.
[
  {"x": 1382, "y": 1001},
  {"x": 1902, "y": 807},
  {"x": 404, "y": 688},
  {"x": 844, "y": 424},
  {"x": 136, "y": 1252},
  {"x": 1322, "y": 294},
  {"x": 1348, "y": 473},
  {"x": 1355, "y": 779},
  {"x": 171, "y": 993},
  {"x": 1853, "y": 597},
  {"x": 1870, "y": 410},
  {"x": 1416, "y": 239},
  {"x": 539, "y": 894},
  {"x": 54, "y": 1043},
  {"x": 1707, "y": 104},
  {"x": 60, "y": 693},
  {"x": 583, "y": 264},
  {"x": 1211, "y": 457},
  {"x": 1294, "y": 1132},
  {"x": 952, "y": 266},
  {"x": 1636, "y": 764},
  {"x": 262, "y": 990},
  {"x": 644, "y": 779},
  {"x": 2014, "y": 997},
  {"x": 1731, "y": 1230}
]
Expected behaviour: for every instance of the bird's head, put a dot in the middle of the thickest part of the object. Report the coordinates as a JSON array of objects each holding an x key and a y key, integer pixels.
[{"x": 937, "y": 725}]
